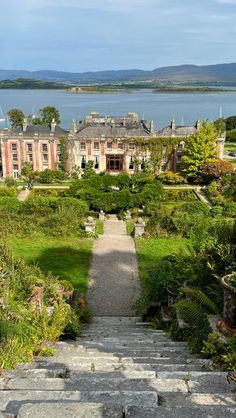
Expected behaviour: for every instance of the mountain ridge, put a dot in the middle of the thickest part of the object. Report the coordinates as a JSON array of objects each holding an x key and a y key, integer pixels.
[{"x": 218, "y": 73}]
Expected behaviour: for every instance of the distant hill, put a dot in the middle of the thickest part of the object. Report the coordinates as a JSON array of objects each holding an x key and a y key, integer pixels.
[{"x": 219, "y": 73}]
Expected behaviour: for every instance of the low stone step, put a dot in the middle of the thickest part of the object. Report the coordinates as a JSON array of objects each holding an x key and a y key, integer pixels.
[
  {"x": 128, "y": 374},
  {"x": 134, "y": 360},
  {"x": 119, "y": 383},
  {"x": 173, "y": 400},
  {"x": 76, "y": 365},
  {"x": 69, "y": 410},
  {"x": 94, "y": 384},
  {"x": 133, "y": 340},
  {"x": 11, "y": 400},
  {"x": 199, "y": 381},
  {"x": 191, "y": 412},
  {"x": 59, "y": 372}
]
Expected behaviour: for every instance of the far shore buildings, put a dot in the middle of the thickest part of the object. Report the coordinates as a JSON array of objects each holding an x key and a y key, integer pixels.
[{"x": 111, "y": 142}]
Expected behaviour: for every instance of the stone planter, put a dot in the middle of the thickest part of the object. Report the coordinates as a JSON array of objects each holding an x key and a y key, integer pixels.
[{"x": 229, "y": 315}]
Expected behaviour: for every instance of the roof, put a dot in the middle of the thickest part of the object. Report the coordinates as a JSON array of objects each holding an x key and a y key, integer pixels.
[
  {"x": 97, "y": 131},
  {"x": 178, "y": 131},
  {"x": 40, "y": 130}
]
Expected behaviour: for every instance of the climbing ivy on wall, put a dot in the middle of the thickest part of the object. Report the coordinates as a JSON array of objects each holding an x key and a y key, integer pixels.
[
  {"x": 158, "y": 148},
  {"x": 63, "y": 153}
]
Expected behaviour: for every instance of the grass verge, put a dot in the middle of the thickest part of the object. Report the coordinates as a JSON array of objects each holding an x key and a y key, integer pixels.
[{"x": 66, "y": 258}]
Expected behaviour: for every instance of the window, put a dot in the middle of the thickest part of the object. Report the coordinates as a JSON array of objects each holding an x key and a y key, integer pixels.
[
  {"x": 109, "y": 145},
  {"x": 15, "y": 171},
  {"x": 131, "y": 164},
  {"x": 96, "y": 146},
  {"x": 29, "y": 147},
  {"x": 131, "y": 145},
  {"x": 83, "y": 162},
  {"x": 30, "y": 158},
  {"x": 180, "y": 148},
  {"x": 58, "y": 148},
  {"x": 45, "y": 158},
  {"x": 143, "y": 164},
  {"x": 82, "y": 146},
  {"x": 14, "y": 157},
  {"x": 96, "y": 162},
  {"x": 120, "y": 145},
  {"x": 45, "y": 147},
  {"x": 164, "y": 150},
  {"x": 14, "y": 147}
]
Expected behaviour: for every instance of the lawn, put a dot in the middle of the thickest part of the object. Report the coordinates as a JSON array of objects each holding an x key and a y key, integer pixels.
[
  {"x": 152, "y": 250},
  {"x": 66, "y": 258}
]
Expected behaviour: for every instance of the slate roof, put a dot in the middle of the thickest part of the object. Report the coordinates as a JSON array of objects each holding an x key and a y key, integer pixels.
[
  {"x": 109, "y": 131},
  {"x": 178, "y": 131},
  {"x": 41, "y": 130}
]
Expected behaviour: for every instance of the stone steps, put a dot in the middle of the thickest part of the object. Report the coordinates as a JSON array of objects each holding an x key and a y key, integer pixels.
[{"x": 118, "y": 369}]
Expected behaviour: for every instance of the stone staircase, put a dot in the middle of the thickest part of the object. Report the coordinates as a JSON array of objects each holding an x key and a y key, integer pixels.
[{"x": 118, "y": 368}]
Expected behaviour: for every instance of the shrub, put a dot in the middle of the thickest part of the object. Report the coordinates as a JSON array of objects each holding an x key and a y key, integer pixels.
[
  {"x": 229, "y": 209},
  {"x": 11, "y": 191},
  {"x": 10, "y": 205},
  {"x": 10, "y": 182},
  {"x": 78, "y": 207},
  {"x": 25, "y": 324},
  {"x": 40, "y": 204},
  {"x": 169, "y": 177}
]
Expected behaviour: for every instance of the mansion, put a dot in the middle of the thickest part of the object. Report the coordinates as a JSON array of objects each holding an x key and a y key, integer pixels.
[{"x": 113, "y": 143}]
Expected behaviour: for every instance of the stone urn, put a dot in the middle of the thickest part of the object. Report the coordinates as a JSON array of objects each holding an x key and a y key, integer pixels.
[{"x": 229, "y": 286}]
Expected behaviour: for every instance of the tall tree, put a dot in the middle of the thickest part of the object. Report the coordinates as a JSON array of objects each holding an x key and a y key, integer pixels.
[
  {"x": 46, "y": 116},
  {"x": 63, "y": 153},
  {"x": 16, "y": 117},
  {"x": 200, "y": 148}
]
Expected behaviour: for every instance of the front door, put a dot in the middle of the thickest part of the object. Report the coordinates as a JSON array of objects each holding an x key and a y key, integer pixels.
[{"x": 114, "y": 162}]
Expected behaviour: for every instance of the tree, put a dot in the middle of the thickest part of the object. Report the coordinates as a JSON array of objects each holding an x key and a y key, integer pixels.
[
  {"x": 199, "y": 149},
  {"x": 220, "y": 125},
  {"x": 27, "y": 170},
  {"x": 46, "y": 116},
  {"x": 63, "y": 154},
  {"x": 213, "y": 171},
  {"x": 48, "y": 113},
  {"x": 16, "y": 117},
  {"x": 230, "y": 123}
]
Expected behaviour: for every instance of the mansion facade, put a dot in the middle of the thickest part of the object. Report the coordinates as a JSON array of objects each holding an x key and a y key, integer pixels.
[{"x": 113, "y": 144}]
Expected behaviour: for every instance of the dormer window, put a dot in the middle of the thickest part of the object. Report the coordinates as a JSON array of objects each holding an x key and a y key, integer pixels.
[
  {"x": 131, "y": 146},
  {"x": 82, "y": 146},
  {"x": 96, "y": 146},
  {"x": 109, "y": 146}
]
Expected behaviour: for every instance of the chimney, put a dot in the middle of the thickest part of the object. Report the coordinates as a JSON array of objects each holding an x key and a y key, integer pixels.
[
  {"x": 74, "y": 127},
  {"x": 53, "y": 126},
  {"x": 25, "y": 124},
  {"x": 173, "y": 125},
  {"x": 152, "y": 129},
  {"x": 198, "y": 125}
]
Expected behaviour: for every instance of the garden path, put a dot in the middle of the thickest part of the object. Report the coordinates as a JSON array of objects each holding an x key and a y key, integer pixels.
[
  {"x": 114, "y": 280},
  {"x": 22, "y": 196}
]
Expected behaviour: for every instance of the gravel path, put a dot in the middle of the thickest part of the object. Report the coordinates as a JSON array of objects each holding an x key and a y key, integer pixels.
[{"x": 114, "y": 280}]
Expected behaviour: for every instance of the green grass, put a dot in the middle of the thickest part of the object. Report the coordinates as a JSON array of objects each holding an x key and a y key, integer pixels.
[
  {"x": 99, "y": 227},
  {"x": 151, "y": 250},
  {"x": 66, "y": 258},
  {"x": 230, "y": 147}
]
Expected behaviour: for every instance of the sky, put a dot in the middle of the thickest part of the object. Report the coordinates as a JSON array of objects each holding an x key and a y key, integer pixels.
[{"x": 94, "y": 35}]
